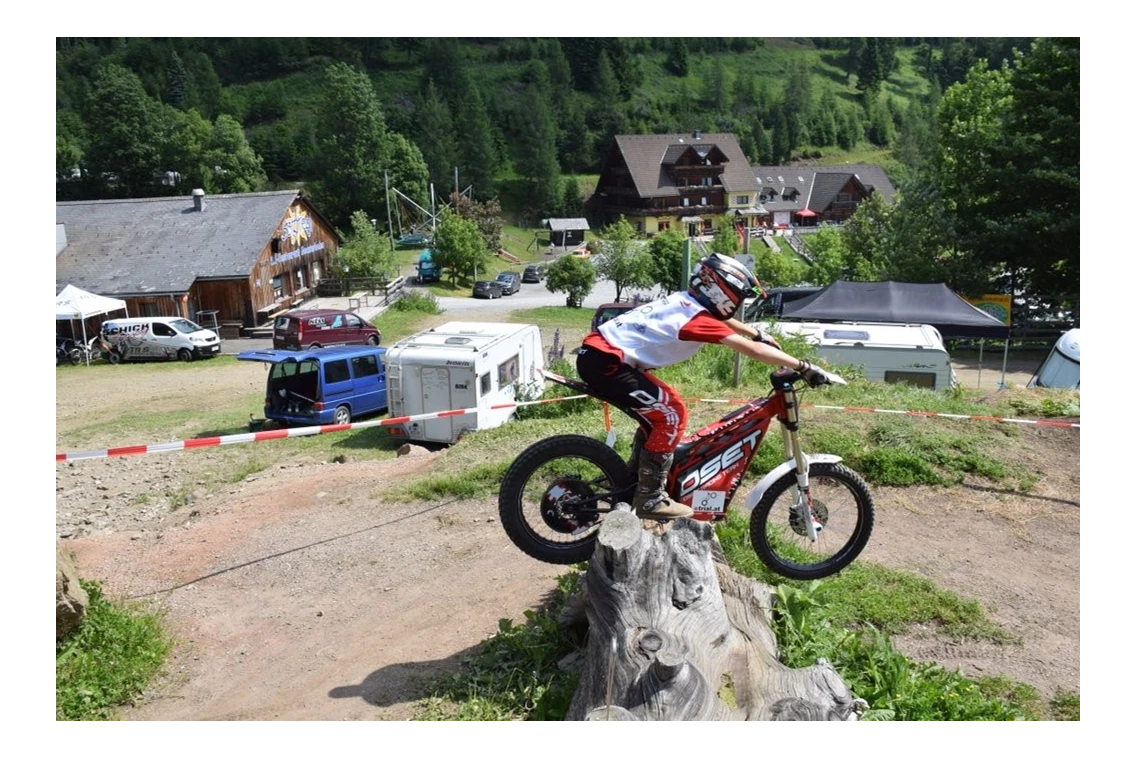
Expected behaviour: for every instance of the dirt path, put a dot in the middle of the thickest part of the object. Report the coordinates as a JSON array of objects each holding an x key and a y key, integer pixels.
[{"x": 303, "y": 592}]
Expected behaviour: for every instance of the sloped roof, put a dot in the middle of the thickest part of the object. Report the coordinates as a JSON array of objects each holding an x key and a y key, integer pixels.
[
  {"x": 161, "y": 245},
  {"x": 819, "y": 184},
  {"x": 899, "y": 303},
  {"x": 568, "y": 224},
  {"x": 647, "y": 156}
]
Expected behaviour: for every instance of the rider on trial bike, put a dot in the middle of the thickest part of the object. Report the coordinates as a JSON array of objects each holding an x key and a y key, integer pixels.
[{"x": 616, "y": 362}]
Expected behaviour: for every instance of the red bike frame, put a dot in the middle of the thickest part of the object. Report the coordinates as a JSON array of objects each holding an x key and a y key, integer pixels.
[{"x": 709, "y": 464}]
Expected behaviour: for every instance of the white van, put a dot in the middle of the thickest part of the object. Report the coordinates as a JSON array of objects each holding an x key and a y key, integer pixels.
[
  {"x": 893, "y": 353},
  {"x": 462, "y": 365},
  {"x": 158, "y": 338}
]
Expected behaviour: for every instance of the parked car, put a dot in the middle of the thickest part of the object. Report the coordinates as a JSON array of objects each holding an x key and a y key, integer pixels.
[
  {"x": 610, "y": 311},
  {"x": 510, "y": 282},
  {"x": 533, "y": 273},
  {"x": 313, "y": 328},
  {"x": 487, "y": 289},
  {"x": 158, "y": 338},
  {"x": 331, "y": 385}
]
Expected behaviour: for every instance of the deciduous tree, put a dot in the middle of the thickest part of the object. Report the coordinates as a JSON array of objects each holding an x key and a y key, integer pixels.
[
  {"x": 572, "y": 275},
  {"x": 620, "y": 259}
]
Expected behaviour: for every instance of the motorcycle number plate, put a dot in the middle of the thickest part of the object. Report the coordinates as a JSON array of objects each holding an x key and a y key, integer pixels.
[{"x": 708, "y": 501}]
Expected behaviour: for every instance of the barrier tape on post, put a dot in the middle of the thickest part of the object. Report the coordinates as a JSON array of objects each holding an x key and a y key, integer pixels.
[
  {"x": 927, "y": 414},
  {"x": 308, "y": 431}
]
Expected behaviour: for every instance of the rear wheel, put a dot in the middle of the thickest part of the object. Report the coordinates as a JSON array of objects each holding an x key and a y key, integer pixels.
[
  {"x": 554, "y": 496},
  {"x": 842, "y": 511},
  {"x": 114, "y": 358},
  {"x": 342, "y": 415},
  {"x": 315, "y": 346}
]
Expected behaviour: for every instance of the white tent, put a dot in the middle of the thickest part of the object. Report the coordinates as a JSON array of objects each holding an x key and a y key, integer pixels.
[{"x": 73, "y": 304}]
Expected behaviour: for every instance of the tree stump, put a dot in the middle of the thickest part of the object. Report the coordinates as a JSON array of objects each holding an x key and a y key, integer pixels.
[{"x": 675, "y": 634}]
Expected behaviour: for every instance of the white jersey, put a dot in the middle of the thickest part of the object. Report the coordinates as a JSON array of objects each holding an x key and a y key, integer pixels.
[{"x": 649, "y": 335}]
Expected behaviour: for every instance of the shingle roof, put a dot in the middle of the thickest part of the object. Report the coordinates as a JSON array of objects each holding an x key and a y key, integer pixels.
[
  {"x": 160, "y": 245},
  {"x": 568, "y": 224},
  {"x": 820, "y": 183},
  {"x": 647, "y": 154}
]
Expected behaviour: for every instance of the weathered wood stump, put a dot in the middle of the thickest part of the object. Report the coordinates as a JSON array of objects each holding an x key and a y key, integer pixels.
[{"x": 675, "y": 634}]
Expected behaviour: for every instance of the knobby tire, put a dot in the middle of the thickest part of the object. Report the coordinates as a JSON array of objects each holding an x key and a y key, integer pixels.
[
  {"x": 520, "y": 495},
  {"x": 773, "y": 535}
]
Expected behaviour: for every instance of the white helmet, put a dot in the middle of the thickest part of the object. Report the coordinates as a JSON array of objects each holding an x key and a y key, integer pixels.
[{"x": 720, "y": 284}]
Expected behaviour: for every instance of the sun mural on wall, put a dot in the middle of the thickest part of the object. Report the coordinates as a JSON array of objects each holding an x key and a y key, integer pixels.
[{"x": 297, "y": 226}]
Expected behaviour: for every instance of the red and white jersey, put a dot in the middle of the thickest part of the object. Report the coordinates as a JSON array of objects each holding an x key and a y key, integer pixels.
[{"x": 663, "y": 332}]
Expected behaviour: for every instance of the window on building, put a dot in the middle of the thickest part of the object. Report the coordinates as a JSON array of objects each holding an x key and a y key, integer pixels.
[
  {"x": 299, "y": 278},
  {"x": 686, "y": 201},
  {"x": 706, "y": 181},
  {"x": 742, "y": 200},
  {"x": 664, "y": 226},
  {"x": 702, "y": 201},
  {"x": 148, "y": 309},
  {"x": 277, "y": 287}
]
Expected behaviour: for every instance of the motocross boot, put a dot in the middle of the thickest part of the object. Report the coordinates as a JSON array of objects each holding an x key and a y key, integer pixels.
[{"x": 651, "y": 501}]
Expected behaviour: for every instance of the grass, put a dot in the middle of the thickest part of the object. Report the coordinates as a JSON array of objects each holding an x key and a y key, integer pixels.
[
  {"x": 108, "y": 660},
  {"x": 514, "y": 675}
]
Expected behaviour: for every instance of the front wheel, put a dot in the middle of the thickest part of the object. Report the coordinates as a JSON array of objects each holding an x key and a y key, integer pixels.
[
  {"x": 842, "y": 512},
  {"x": 184, "y": 355},
  {"x": 554, "y": 496}
]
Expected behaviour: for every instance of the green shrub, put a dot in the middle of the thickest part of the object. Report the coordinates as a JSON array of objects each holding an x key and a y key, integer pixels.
[
  {"x": 418, "y": 301},
  {"x": 108, "y": 660}
]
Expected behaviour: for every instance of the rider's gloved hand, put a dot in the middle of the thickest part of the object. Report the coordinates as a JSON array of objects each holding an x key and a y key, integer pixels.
[
  {"x": 766, "y": 339},
  {"x": 812, "y": 376}
]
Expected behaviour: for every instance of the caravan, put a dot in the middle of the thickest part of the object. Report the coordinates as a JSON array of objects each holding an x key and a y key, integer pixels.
[
  {"x": 893, "y": 353},
  {"x": 462, "y": 365}
]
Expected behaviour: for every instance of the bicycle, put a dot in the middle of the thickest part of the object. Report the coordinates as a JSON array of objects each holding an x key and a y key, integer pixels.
[{"x": 810, "y": 516}]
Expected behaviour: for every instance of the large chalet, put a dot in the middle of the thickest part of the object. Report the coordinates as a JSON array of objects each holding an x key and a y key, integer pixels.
[{"x": 699, "y": 181}]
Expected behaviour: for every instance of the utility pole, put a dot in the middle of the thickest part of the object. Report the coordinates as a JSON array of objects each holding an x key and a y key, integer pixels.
[{"x": 387, "y": 193}]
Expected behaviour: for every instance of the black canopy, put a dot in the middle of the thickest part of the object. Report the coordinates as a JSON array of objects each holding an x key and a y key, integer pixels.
[{"x": 898, "y": 303}]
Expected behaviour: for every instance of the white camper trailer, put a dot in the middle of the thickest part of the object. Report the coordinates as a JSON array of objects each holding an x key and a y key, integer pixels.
[
  {"x": 461, "y": 365},
  {"x": 893, "y": 353}
]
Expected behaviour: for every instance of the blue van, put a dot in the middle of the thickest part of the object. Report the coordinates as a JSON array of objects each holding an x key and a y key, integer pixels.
[{"x": 327, "y": 385}]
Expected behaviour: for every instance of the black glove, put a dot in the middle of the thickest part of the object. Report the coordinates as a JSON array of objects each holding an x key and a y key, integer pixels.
[{"x": 812, "y": 376}]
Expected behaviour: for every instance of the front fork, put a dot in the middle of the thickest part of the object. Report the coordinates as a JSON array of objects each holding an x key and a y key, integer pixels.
[{"x": 791, "y": 439}]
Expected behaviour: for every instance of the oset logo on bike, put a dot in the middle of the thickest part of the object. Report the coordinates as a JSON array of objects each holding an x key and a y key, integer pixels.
[{"x": 692, "y": 479}]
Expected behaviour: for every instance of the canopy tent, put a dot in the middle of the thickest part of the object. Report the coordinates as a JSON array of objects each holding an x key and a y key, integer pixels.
[
  {"x": 73, "y": 304},
  {"x": 805, "y": 213},
  {"x": 901, "y": 303}
]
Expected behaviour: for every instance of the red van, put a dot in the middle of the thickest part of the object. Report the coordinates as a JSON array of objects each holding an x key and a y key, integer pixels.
[{"x": 305, "y": 329}]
